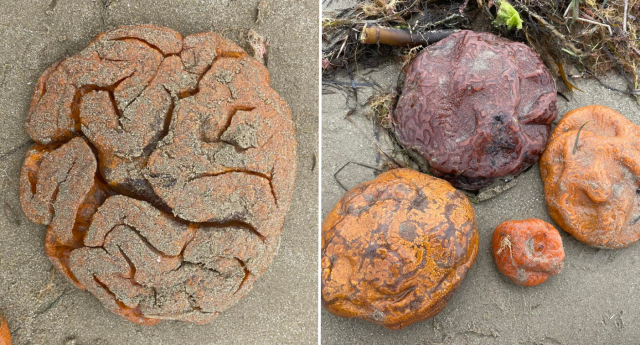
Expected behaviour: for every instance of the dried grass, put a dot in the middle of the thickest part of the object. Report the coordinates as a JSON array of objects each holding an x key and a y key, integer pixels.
[
  {"x": 592, "y": 37},
  {"x": 380, "y": 107}
]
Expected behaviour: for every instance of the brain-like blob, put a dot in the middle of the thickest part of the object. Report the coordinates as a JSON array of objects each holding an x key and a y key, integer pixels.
[
  {"x": 527, "y": 251},
  {"x": 395, "y": 249},
  {"x": 592, "y": 189},
  {"x": 163, "y": 168},
  {"x": 475, "y": 107}
]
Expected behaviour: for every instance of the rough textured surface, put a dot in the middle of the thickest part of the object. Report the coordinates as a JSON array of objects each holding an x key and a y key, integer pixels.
[
  {"x": 475, "y": 107},
  {"x": 589, "y": 303},
  {"x": 527, "y": 251},
  {"x": 279, "y": 309},
  {"x": 592, "y": 189},
  {"x": 395, "y": 249},
  {"x": 59, "y": 188},
  {"x": 5, "y": 335},
  {"x": 199, "y": 143}
]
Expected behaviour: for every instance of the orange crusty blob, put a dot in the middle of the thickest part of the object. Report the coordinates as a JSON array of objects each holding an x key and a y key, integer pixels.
[
  {"x": 163, "y": 168},
  {"x": 592, "y": 189},
  {"x": 527, "y": 251},
  {"x": 5, "y": 334},
  {"x": 395, "y": 249}
]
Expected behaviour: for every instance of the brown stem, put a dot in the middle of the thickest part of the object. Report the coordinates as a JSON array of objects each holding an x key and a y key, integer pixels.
[{"x": 400, "y": 38}]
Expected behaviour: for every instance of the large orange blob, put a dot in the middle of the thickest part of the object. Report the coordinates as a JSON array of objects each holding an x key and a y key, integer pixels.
[
  {"x": 395, "y": 249},
  {"x": 163, "y": 168},
  {"x": 591, "y": 174},
  {"x": 527, "y": 251}
]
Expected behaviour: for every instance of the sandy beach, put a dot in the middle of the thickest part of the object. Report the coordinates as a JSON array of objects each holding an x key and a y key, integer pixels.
[{"x": 591, "y": 302}]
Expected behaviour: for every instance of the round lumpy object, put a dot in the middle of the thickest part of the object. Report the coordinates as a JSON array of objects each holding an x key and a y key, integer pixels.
[
  {"x": 395, "y": 249},
  {"x": 475, "y": 107},
  {"x": 163, "y": 167},
  {"x": 591, "y": 174},
  {"x": 527, "y": 251}
]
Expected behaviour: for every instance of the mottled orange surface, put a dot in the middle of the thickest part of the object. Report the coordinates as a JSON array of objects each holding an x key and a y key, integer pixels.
[
  {"x": 163, "y": 168},
  {"x": 527, "y": 251},
  {"x": 5, "y": 334},
  {"x": 395, "y": 249},
  {"x": 592, "y": 192}
]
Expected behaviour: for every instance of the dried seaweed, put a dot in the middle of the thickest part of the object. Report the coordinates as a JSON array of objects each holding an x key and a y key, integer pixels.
[
  {"x": 380, "y": 107},
  {"x": 586, "y": 36}
]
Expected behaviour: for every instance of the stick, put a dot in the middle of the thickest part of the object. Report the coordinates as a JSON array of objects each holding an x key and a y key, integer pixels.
[
  {"x": 633, "y": 92},
  {"x": 327, "y": 81},
  {"x": 624, "y": 20},
  {"x": 335, "y": 175},
  {"x": 566, "y": 11},
  {"x": 400, "y": 38},
  {"x": 596, "y": 23}
]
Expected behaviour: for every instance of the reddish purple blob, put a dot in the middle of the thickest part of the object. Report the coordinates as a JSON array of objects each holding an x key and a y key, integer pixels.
[{"x": 475, "y": 107}]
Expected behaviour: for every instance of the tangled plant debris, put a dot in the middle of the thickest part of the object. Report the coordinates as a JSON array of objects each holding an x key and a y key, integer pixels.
[{"x": 592, "y": 37}]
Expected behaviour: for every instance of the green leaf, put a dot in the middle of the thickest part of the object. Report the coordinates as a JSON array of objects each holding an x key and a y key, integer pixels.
[
  {"x": 507, "y": 15},
  {"x": 570, "y": 52}
]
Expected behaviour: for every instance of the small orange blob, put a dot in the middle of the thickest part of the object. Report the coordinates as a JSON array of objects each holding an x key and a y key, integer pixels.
[
  {"x": 5, "y": 335},
  {"x": 527, "y": 251},
  {"x": 395, "y": 249}
]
